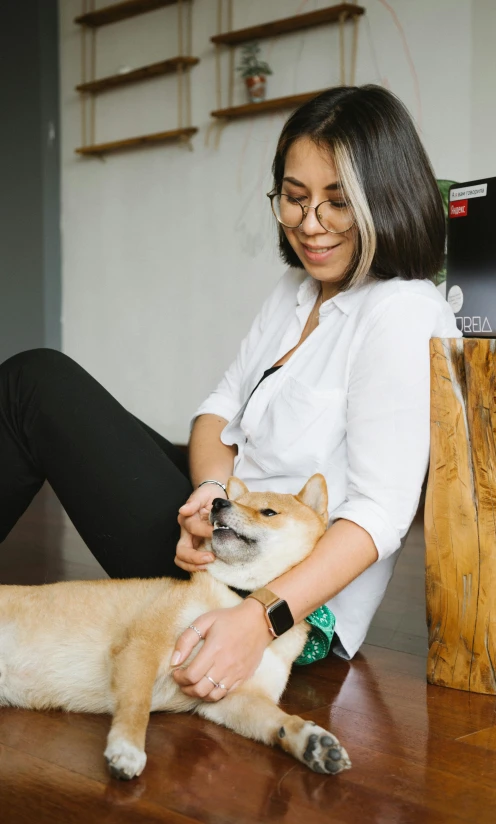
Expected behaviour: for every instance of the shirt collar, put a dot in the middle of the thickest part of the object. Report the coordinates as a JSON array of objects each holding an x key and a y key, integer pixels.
[{"x": 345, "y": 301}]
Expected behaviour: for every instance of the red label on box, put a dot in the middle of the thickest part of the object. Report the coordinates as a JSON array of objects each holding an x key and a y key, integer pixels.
[{"x": 458, "y": 208}]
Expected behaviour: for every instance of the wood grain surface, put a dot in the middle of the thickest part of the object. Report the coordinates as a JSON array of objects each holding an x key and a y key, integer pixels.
[{"x": 460, "y": 516}]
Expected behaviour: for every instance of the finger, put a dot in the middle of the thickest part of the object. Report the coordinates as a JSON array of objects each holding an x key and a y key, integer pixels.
[
  {"x": 195, "y": 525},
  {"x": 198, "y": 527},
  {"x": 207, "y": 688},
  {"x": 189, "y": 567},
  {"x": 190, "y": 507},
  {"x": 185, "y": 645},
  {"x": 217, "y": 693},
  {"x": 188, "y": 545},
  {"x": 201, "y": 690},
  {"x": 198, "y": 670},
  {"x": 193, "y": 556}
]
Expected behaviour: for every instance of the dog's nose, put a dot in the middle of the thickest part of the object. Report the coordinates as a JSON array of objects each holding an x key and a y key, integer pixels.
[{"x": 220, "y": 503}]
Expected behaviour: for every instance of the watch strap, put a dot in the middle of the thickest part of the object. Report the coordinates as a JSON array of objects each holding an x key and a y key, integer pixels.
[
  {"x": 265, "y": 596},
  {"x": 269, "y": 599}
]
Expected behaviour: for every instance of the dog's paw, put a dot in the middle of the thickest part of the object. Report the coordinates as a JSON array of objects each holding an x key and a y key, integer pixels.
[
  {"x": 318, "y": 749},
  {"x": 125, "y": 761}
]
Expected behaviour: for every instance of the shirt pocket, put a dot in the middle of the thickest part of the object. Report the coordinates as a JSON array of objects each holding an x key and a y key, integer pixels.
[{"x": 300, "y": 429}]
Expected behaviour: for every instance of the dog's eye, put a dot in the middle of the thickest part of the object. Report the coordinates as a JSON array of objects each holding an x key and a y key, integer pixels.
[{"x": 267, "y": 512}]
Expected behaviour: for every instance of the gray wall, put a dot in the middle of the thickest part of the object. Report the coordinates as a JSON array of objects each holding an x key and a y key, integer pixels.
[{"x": 29, "y": 176}]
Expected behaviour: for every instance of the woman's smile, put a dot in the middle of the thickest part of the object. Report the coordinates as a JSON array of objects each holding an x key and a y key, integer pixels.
[{"x": 318, "y": 254}]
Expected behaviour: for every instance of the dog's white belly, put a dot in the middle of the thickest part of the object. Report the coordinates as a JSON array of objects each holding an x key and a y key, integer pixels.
[
  {"x": 43, "y": 674},
  {"x": 167, "y": 697}
]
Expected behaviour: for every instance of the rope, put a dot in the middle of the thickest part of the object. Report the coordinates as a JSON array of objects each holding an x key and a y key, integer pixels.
[
  {"x": 221, "y": 125},
  {"x": 218, "y": 73},
  {"x": 189, "y": 30},
  {"x": 189, "y": 39},
  {"x": 83, "y": 75},
  {"x": 180, "y": 44},
  {"x": 180, "y": 68},
  {"x": 211, "y": 126},
  {"x": 354, "y": 49},
  {"x": 93, "y": 76},
  {"x": 231, "y": 54},
  {"x": 342, "y": 18}
]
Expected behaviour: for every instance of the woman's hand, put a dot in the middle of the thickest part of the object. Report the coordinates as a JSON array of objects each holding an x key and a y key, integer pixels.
[
  {"x": 195, "y": 526},
  {"x": 234, "y": 643}
]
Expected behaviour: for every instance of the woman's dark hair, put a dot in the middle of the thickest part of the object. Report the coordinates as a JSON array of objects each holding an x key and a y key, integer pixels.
[{"x": 386, "y": 175}]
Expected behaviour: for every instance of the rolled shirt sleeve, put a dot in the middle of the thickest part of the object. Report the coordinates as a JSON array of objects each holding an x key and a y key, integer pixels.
[{"x": 388, "y": 419}]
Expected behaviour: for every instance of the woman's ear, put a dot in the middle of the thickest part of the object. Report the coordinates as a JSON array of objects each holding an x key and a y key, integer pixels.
[
  {"x": 235, "y": 488},
  {"x": 314, "y": 495}
]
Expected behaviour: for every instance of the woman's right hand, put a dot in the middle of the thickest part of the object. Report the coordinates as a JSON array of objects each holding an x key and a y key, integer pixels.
[{"x": 194, "y": 521}]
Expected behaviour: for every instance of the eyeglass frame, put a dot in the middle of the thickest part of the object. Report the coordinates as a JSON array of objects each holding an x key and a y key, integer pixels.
[{"x": 305, "y": 210}]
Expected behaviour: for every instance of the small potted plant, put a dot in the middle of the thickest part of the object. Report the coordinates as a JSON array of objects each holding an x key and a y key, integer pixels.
[{"x": 254, "y": 71}]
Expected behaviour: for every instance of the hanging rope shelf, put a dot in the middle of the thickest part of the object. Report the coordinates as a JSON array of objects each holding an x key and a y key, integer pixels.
[
  {"x": 333, "y": 14},
  {"x": 91, "y": 19}
]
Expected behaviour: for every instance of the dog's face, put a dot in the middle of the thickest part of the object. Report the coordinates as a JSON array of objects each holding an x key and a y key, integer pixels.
[{"x": 259, "y": 535}]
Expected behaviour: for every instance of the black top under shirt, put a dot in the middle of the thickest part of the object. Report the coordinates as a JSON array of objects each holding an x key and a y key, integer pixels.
[
  {"x": 245, "y": 592},
  {"x": 265, "y": 375}
]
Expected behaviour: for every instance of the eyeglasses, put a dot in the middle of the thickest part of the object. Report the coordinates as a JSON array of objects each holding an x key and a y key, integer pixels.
[{"x": 334, "y": 216}]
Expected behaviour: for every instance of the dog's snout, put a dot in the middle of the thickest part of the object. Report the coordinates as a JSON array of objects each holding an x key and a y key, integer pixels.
[{"x": 220, "y": 503}]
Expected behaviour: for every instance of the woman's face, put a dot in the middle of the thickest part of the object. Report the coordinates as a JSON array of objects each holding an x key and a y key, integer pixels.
[{"x": 310, "y": 176}]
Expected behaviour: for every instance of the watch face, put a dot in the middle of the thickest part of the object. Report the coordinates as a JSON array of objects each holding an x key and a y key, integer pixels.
[{"x": 280, "y": 617}]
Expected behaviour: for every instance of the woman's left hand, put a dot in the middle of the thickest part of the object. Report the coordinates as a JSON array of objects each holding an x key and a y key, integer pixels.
[{"x": 234, "y": 642}]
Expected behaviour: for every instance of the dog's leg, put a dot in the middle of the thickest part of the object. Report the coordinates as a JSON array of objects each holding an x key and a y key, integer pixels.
[
  {"x": 134, "y": 669},
  {"x": 254, "y": 715}
]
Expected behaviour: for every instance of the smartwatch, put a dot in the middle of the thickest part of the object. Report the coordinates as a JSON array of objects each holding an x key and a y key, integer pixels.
[{"x": 277, "y": 612}]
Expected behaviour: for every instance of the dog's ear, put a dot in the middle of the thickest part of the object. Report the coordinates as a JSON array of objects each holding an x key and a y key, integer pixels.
[
  {"x": 314, "y": 495},
  {"x": 235, "y": 488}
]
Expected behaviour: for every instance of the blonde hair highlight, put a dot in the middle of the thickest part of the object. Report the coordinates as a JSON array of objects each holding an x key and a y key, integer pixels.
[{"x": 353, "y": 188}]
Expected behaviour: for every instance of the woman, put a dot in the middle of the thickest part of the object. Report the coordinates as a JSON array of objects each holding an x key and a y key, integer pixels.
[{"x": 332, "y": 377}]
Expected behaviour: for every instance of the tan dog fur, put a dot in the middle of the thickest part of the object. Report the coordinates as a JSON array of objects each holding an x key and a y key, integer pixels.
[{"x": 105, "y": 646}]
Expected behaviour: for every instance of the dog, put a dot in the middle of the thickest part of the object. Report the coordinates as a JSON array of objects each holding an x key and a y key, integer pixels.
[{"x": 106, "y": 646}]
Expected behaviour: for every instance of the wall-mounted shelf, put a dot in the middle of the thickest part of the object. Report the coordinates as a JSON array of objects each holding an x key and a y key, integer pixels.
[
  {"x": 340, "y": 14},
  {"x": 91, "y": 86},
  {"x": 274, "y": 105},
  {"x": 144, "y": 73},
  {"x": 136, "y": 142},
  {"x": 332, "y": 14},
  {"x": 120, "y": 11}
]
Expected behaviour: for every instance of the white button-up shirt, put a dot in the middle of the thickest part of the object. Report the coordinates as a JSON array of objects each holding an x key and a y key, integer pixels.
[{"x": 352, "y": 402}]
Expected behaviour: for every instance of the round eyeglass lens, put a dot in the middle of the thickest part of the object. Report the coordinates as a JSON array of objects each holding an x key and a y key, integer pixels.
[
  {"x": 288, "y": 211},
  {"x": 334, "y": 216}
]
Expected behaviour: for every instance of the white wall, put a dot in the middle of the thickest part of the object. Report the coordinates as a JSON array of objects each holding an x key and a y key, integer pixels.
[
  {"x": 167, "y": 253},
  {"x": 483, "y": 90}
]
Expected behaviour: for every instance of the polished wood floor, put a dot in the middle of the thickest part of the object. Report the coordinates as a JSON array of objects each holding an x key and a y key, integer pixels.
[{"x": 420, "y": 753}]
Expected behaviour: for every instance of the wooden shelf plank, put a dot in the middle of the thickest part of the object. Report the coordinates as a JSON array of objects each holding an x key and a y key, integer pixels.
[
  {"x": 121, "y": 11},
  {"x": 137, "y": 142},
  {"x": 331, "y": 14},
  {"x": 143, "y": 73},
  {"x": 276, "y": 104}
]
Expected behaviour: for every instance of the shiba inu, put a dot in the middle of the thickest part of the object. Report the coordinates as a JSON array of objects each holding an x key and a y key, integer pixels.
[{"x": 106, "y": 646}]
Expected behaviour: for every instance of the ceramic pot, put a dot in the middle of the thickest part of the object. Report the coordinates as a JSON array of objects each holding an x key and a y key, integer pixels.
[{"x": 255, "y": 86}]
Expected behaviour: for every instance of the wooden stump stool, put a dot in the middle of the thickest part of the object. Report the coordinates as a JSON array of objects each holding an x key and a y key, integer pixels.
[{"x": 460, "y": 516}]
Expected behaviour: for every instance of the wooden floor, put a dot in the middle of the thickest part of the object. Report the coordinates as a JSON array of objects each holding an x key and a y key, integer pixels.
[{"x": 420, "y": 753}]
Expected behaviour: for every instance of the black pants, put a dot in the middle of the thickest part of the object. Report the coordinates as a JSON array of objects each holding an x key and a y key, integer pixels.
[{"x": 120, "y": 482}]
